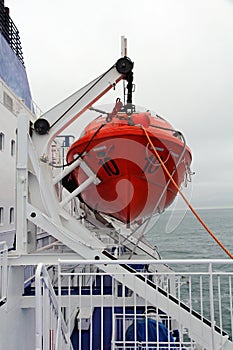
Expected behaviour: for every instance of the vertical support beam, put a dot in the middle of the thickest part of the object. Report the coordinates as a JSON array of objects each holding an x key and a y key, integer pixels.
[
  {"x": 3, "y": 271},
  {"x": 21, "y": 183},
  {"x": 38, "y": 336},
  {"x": 25, "y": 231}
]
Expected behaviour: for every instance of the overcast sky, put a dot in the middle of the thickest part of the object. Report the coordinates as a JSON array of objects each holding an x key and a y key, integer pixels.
[{"x": 183, "y": 54}]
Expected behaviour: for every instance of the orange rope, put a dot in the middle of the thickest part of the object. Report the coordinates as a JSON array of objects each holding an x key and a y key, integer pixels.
[{"x": 184, "y": 198}]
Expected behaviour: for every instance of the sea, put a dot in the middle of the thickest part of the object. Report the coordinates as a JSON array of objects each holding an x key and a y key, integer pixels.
[{"x": 179, "y": 235}]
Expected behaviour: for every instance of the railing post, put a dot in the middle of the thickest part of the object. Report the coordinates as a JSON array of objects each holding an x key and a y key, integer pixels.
[
  {"x": 212, "y": 318},
  {"x": 59, "y": 308},
  {"x": 38, "y": 293}
]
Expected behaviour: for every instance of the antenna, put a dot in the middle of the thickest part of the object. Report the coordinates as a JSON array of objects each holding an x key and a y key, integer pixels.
[{"x": 123, "y": 46}]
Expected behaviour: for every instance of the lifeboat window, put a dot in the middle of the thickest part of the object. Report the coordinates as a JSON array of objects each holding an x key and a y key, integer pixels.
[
  {"x": 2, "y": 141},
  {"x": 12, "y": 148},
  {"x": 1, "y": 215},
  {"x": 12, "y": 215}
]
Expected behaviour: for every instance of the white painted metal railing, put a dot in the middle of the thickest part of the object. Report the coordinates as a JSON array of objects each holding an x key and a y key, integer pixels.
[
  {"x": 3, "y": 272},
  {"x": 114, "y": 295},
  {"x": 51, "y": 329}
]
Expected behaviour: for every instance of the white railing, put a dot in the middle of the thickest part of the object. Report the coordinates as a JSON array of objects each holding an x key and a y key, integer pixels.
[
  {"x": 51, "y": 329},
  {"x": 197, "y": 316},
  {"x": 3, "y": 272}
]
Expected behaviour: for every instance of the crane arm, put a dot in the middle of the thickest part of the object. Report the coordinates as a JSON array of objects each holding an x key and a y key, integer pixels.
[{"x": 66, "y": 112}]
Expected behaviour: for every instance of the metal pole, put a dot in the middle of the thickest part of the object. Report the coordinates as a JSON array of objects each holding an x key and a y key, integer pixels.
[{"x": 212, "y": 304}]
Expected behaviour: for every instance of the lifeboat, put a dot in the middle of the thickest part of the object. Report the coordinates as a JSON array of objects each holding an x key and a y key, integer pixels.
[{"x": 132, "y": 181}]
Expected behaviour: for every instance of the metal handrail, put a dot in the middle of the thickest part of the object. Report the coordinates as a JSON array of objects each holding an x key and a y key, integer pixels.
[
  {"x": 183, "y": 309},
  {"x": 47, "y": 309}
]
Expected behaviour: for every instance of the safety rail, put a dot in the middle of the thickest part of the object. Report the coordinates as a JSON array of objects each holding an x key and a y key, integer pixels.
[
  {"x": 51, "y": 329},
  {"x": 198, "y": 316},
  {"x": 3, "y": 272},
  {"x": 10, "y": 31}
]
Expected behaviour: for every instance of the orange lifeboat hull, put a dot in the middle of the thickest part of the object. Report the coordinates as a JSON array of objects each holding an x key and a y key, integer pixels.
[{"x": 133, "y": 183}]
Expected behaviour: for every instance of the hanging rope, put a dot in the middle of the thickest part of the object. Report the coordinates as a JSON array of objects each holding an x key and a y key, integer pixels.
[{"x": 184, "y": 198}]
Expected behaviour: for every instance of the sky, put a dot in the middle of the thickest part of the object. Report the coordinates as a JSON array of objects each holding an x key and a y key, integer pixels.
[{"x": 183, "y": 56}]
